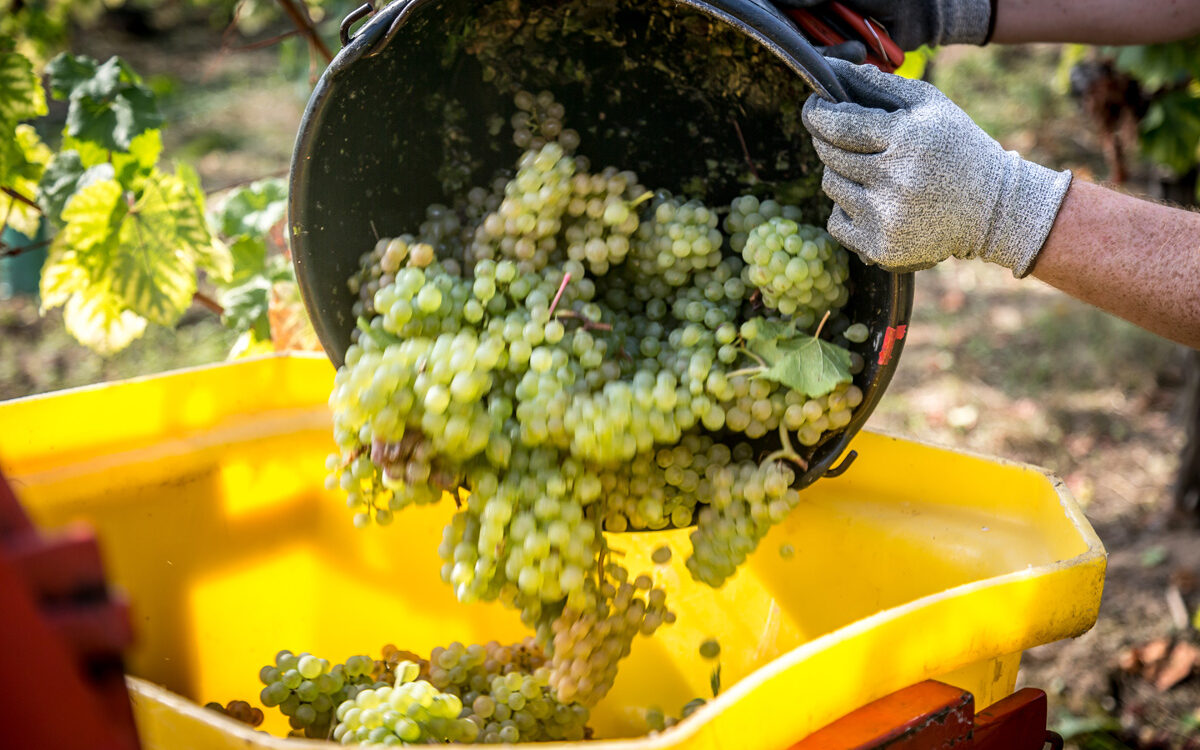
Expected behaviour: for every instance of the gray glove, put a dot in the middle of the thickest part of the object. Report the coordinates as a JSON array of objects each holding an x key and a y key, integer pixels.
[
  {"x": 915, "y": 22},
  {"x": 916, "y": 181}
]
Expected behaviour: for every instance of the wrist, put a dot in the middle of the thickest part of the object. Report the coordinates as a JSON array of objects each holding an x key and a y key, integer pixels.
[{"x": 1029, "y": 200}]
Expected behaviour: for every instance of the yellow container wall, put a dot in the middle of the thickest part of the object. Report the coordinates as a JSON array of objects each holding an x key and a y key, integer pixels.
[{"x": 206, "y": 487}]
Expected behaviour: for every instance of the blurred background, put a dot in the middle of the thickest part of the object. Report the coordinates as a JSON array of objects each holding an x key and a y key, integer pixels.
[{"x": 992, "y": 365}]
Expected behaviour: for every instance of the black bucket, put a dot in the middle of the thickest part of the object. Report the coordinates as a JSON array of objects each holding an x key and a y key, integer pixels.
[{"x": 696, "y": 97}]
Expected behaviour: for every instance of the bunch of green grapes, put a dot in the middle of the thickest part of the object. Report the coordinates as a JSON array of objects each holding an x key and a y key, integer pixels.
[
  {"x": 680, "y": 238},
  {"x": 589, "y": 642},
  {"x": 409, "y": 712},
  {"x": 308, "y": 690},
  {"x": 601, "y": 217},
  {"x": 799, "y": 269},
  {"x": 578, "y": 359}
]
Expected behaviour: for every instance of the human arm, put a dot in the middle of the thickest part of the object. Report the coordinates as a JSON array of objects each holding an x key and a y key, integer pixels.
[
  {"x": 915, "y": 182},
  {"x": 1095, "y": 21},
  {"x": 936, "y": 22},
  {"x": 1136, "y": 259}
]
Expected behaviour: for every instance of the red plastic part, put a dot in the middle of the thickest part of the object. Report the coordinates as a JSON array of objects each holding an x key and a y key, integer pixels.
[
  {"x": 63, "y": 636},
  {"x": 927, "y": 716},
  {"x": 1017, "y": 722},
  {"x": 833, "y": 23},
  {"x": 933, "y": 716}
]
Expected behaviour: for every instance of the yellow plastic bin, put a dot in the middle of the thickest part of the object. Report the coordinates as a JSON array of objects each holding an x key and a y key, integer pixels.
[{"x": 206, "y": 487}]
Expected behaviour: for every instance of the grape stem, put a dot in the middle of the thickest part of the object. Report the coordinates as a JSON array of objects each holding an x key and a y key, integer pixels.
[
  {"x": 787, "y": 452},
  {"x": 817, "y": 333},
  {"x": 762, "y": 362},
  {"x": 561, "y": 288},
  {"x": 641, "y": 199},
  {"x": 746, "y": 371},
  {"x": 588, "y": 325}
]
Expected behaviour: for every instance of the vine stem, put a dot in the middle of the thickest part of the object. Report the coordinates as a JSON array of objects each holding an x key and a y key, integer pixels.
[
  {"x": 21, "y": 198},
  {"x": 208, "y": 303},
  {"x": 8, "y": 251},
  {"x": 303, "y": 22}
]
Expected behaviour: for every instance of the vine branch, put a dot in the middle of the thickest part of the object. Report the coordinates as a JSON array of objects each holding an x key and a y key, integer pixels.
[
  {"x": 208, "y": 303},
  {"x": 304, "y": 24},
  {"x": 21, "y": 198}
]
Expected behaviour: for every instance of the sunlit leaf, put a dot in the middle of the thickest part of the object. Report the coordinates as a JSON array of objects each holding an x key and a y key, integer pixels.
[
  {"x": 91, "y": 313},
  {"x": 27, "y": 160},
  {"x": 21, "y": 95},
  {"x": 64, "y": 176},
  {"x": 154, "y": 269}
]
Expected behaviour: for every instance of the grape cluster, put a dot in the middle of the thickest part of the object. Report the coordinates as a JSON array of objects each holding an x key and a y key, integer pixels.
[
  {"x": 308, "y": 690},
  {"x": 588, "y": 643},
  {"x": 601, "y": 217},
  {"x": 578, "y": 358},
  {"x": 800, "y": 270},
  {"x": 411, "y": 711},
  {"x": 748, "y": 499},
  {"x": 525, "y": 225},
  {"x": 539, "y": 120},
  {"x": 680, "y": 239}
]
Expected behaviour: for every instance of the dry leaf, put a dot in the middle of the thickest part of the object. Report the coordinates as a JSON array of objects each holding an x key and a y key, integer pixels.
[{"x": 1182, "y": 661}]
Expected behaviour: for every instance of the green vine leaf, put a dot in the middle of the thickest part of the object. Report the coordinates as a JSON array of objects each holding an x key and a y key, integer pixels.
[
  {"x": 801, "y": 362},
  {"x": 108, "y": 104},
  {"x": 64, "y": 176},
  {"x": 254, "y": 209},
  {"x": 124, "y": 259},
  {"x": 21, "y": 95},
  {"x": 91, "y": 312},
  {"x": 246, "y": 217},
  {"x": 163, "y": 240},
  {"x": 814, "y": 368},
  {"x": 25, "y": 158}
]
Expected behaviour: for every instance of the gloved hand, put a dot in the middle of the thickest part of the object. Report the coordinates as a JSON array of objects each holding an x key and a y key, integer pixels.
[
  {"x": 916, "y": 181},
  {"x": 915, "y": 22}
]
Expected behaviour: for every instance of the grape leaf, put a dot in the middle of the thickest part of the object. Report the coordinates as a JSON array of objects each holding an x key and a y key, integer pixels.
[
  {"x": 66, "y": 73},
  {"x": 21, "y": 95},
  {"x": 247, "y": 304},
  {"x": 252, "y": 210},
  {"x": 108, "y": 104},
  {"x": 154, "y": 270},
  {"x": 92, "y": 314},
  {"x": 64, "y": 176},
  {"x": 211, "y": 254},
  {"x": 26, "y": 160},
  {"x": 91, "y": 219},
  {"x": 246, "y": 307},
  {"x": 809, "y": 365}
]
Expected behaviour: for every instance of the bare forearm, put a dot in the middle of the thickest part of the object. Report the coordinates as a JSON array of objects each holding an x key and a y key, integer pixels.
[
  {"x": 1096, "y": 21},
  {"x": 1135, "y": 259}
]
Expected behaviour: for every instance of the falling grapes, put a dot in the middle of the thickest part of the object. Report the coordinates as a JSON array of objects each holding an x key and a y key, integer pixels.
[{"x": 578, "y": 354}]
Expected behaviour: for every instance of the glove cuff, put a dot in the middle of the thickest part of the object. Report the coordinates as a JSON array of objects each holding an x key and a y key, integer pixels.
[
  {"x": 962, "y": 22},
  {"x": 1030, "y": 198}
]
